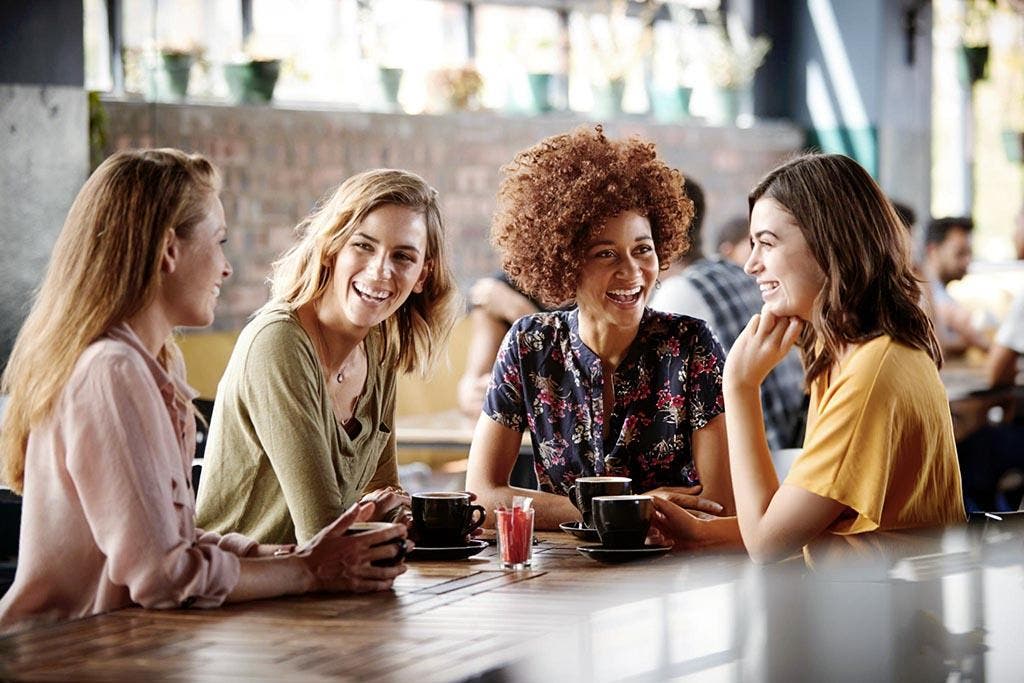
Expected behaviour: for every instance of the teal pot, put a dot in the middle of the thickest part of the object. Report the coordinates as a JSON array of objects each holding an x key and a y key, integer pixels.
[
  {"x": 252, "y": 82},
  {"x": 540, "y": 90},
  {"x": 616, "y": 91},
  {"x": 671, "y": 105},
  {"x": 390, "y": 84},
  {"x": 1013, "y": 145},
  {"x": 175, "y": 69},
  {"x": 725, "y": 106},
  {"x": 971, "y": 63},
  {"x": 684, "y": 93}
]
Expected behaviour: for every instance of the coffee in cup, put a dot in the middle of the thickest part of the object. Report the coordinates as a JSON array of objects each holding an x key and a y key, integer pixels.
[
  {"x": 585, "y": 488},
  {"x": 444, "y": 519},
  {"x": 366, "y": 527},
  {"x": 622, "y": 521}
]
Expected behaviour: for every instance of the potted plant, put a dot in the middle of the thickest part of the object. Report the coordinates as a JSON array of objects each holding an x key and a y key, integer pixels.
[
  {"x": 972, "y": 57},
  {"x": 170, "y": 74},
  {"x": 542, "y": 58},
  {"x": 673, "y": 76},
  {"x": 459, "y": 87},
  {"x": 731, "y": 58},
  {"x": 252, "y": 77},
  {"x": 618, "y": 52}
]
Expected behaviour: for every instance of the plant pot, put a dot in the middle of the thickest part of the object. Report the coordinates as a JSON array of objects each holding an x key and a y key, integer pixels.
[
  {"x": 671, "y": 105},
  {"x": 252, "y": 82},
  {"x": 684, "y": 93},
  {"x": 971, "y": 63},
  {"x": 390, "y": 83},
  {"x": 174, "y": 74},
  {"x": 540, "y": 90},
  {"x": 725, "y": 106},
  {"x": 1013, "y": 145},
  {"x": 616, "y": 90}
]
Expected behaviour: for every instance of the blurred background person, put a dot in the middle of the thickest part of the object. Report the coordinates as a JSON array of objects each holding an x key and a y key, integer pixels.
[
  {"x": 947, "y": 258},
  {"x": 496, "y": 304},
  {"x": 718, "y": 291}
]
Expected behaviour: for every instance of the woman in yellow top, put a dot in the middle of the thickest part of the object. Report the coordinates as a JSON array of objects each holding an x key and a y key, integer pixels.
[{"x": 834, "y": 269}]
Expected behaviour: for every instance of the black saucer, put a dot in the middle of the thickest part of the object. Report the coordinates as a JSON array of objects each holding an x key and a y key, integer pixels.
[
  {"x": 616, "y": 555},
  {"x": 584, "y": 533},
  {"x": 460, "y": 552}
]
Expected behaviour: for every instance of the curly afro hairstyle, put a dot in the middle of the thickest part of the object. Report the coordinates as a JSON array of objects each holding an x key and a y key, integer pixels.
[{"x": 557, "y": 195}]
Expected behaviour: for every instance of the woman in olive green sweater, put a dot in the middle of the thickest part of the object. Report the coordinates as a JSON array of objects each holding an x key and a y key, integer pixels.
[{"x": 302, "y": 426}]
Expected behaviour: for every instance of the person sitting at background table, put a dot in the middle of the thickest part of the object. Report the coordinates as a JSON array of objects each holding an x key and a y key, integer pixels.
[
  {"x": 609, "y": 387},
  {"x": 833, "y": 264},
  {"x": 497, "y": 303},
  {"x": 303, "y": 422},
  {"x": 717, "y": 291},
  {"x": 99, "y": 430},
  {"x": 947, "y": 258}
]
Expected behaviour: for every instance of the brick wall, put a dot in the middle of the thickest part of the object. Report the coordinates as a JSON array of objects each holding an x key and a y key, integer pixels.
[{"x": 277, "y": 163}]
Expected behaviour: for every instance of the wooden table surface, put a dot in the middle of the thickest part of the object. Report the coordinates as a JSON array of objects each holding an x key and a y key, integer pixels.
[{"x": 708, "y": 615}]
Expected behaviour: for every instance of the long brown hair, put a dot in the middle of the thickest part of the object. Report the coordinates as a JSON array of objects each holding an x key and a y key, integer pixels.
[
  {"x": 104, "y": 269},
  {"x": 419, "y": 330},
  {"x": 858, "y": 241}
]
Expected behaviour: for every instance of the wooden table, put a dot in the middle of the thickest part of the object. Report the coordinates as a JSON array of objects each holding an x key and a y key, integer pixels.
[
  {"x": 972, "y": 403},
  {"x": 953, "y": 600}
]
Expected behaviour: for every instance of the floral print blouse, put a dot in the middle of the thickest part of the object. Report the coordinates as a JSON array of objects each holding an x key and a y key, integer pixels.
[{"x": 668, "y": 385}]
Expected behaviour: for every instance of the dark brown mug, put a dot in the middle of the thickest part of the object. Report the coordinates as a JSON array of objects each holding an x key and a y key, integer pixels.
[
  {"x": 444, "y": 519},
  {"x": 622, "y": 521},
  {"x": 585, "y": 488},
  {"x": 366, "y": 527}
]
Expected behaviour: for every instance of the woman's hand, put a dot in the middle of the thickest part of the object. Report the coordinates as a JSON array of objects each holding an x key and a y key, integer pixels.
[
  {"x": 761, "y": 346},
  {"x": 385, "y": 500},
  {"x": 341, "y": 563},
  {"x": 688, "y": 498}
]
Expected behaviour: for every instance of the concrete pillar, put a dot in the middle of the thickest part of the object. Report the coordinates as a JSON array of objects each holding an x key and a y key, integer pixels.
[{"x": 44, "y": 134}]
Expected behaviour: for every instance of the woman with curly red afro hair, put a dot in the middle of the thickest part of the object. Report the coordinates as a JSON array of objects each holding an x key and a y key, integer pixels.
[{"x": 605, "y": 385}]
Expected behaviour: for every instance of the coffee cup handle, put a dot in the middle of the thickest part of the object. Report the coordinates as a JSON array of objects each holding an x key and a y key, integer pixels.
[
  {"x": 474, "y": 521},
  {"x": 572, "y": 497}
]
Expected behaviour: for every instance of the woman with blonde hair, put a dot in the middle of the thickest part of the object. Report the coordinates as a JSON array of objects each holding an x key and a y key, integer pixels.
[
  {"x": 833, "y": 264},
  {"x": 303, "y": 422},
  {"x": 99, "y": 432}
]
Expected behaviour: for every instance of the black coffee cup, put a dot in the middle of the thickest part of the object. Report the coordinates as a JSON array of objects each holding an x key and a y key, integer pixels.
[
  {"x": 585, "y": 488},
  {"x": 444, "y": 519},
  {"x": 622, "y": 521},
  {"x": 366, "y": 527}
]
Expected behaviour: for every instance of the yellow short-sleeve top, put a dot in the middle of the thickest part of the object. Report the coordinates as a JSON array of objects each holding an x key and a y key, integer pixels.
[{"x": 880, "y": 441}]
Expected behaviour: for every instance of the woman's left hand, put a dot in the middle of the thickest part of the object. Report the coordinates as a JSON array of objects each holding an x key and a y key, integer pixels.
[
  {"x": 761, "y": 346},
  {"x": 385, "y": 500}
]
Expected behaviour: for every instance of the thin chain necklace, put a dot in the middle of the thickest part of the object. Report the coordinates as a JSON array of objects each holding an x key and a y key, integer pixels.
[{"x": 340, "y": 376}]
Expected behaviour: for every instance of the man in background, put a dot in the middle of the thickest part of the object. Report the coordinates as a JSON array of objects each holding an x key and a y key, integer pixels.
[
  {"x": 947, "y": 257},
  {"x": 718, "y": 291}
]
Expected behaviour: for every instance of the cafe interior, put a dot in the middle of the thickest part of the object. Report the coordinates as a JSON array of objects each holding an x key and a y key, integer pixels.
[{"x": 288, "y": 99}]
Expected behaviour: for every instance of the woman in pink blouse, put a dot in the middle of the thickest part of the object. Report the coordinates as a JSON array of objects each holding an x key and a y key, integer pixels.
[{"x": 99, "y": 431}]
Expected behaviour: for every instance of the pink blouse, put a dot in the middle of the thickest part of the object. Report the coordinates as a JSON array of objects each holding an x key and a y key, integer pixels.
[{"x": 108, "y": 508}]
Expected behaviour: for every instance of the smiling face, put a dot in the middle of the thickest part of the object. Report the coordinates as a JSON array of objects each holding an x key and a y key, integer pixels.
[
  {"x": 380, "y": 265},
  {"x": 786, "y": 271},
  {"x": 619, "y": 271},
  {"x": 192, "y": 289}
]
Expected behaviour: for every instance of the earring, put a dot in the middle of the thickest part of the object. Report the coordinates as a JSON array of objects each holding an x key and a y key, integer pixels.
[{"x": 657, "y": 283}]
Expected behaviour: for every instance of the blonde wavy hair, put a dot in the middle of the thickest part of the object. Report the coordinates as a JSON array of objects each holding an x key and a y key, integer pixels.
[
  {"x": 417, "y": 334},
  {"x": 104, "y": 269}
]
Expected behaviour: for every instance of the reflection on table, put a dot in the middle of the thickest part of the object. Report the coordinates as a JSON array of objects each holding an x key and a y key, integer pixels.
[{"x": 894, "y": 607}]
